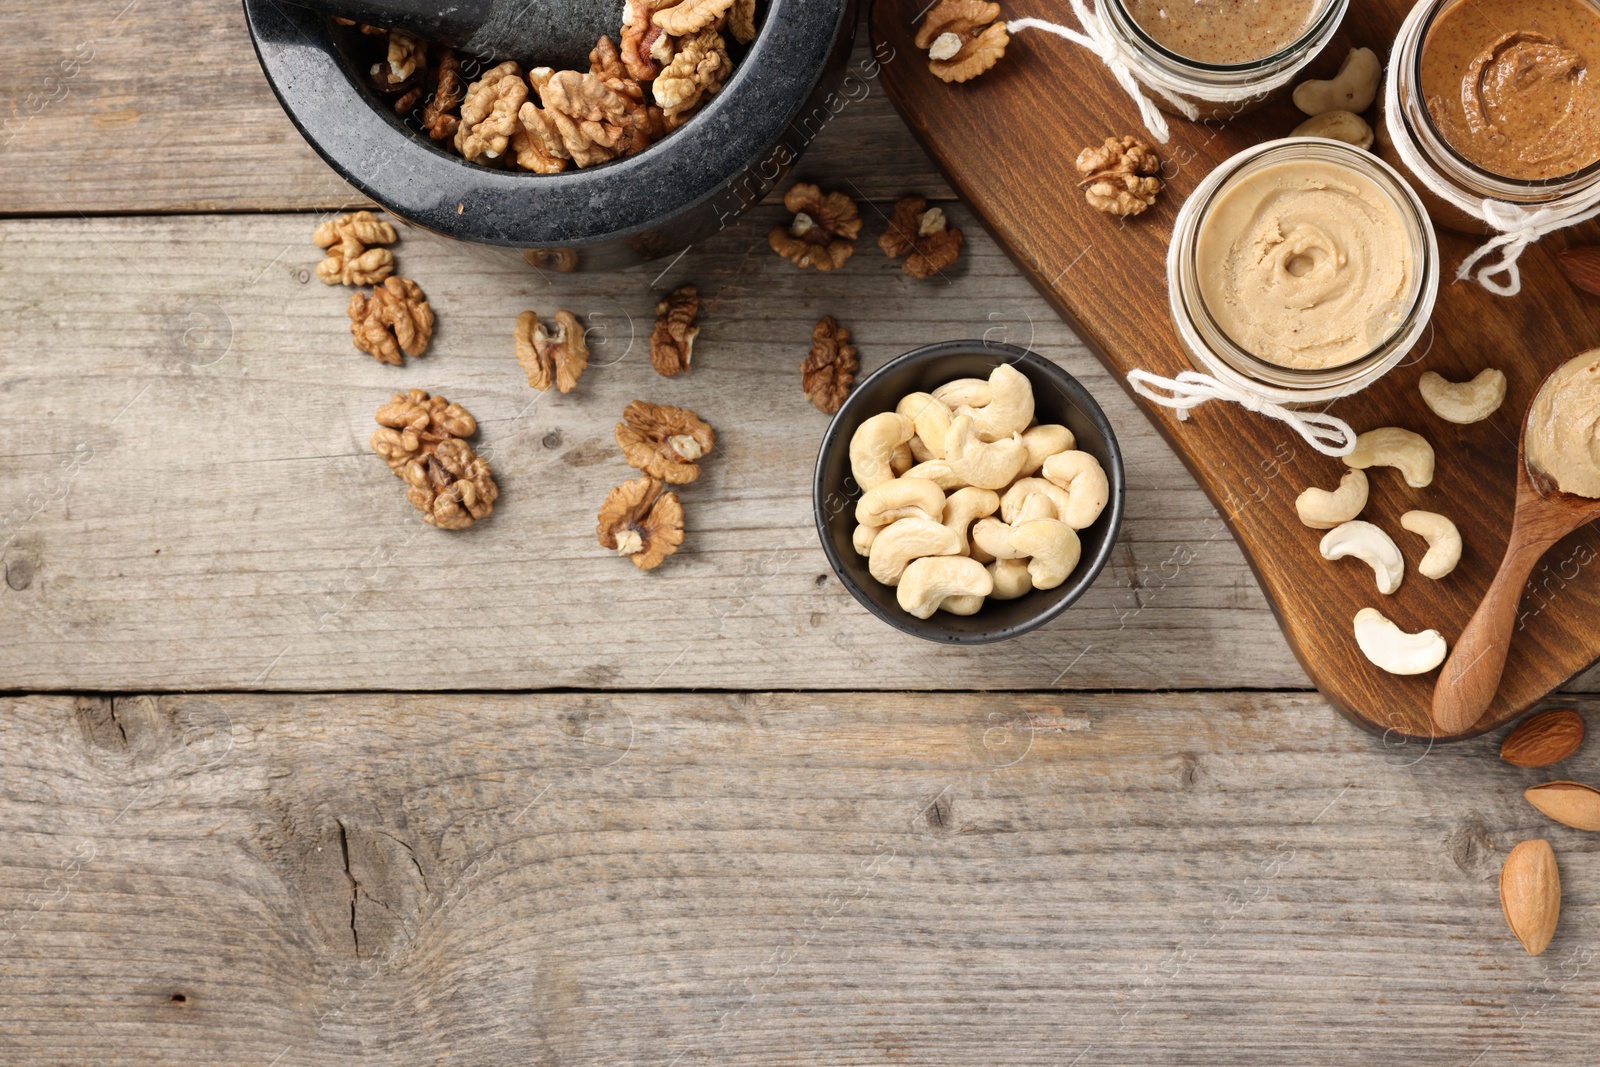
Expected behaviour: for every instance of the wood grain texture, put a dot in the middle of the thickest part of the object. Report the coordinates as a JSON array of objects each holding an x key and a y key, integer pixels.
[
  {"x": 1051, "y": 98},
  {"x": 1037, "y": 879},
  {"x": 187, "y": 499},
  {"x": 130, "y": 106}
]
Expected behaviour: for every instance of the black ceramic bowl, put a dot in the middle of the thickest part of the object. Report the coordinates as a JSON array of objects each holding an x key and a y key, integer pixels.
[
  {"x": 685, "y": 187},
  {"x": 1058, "y": 398}
]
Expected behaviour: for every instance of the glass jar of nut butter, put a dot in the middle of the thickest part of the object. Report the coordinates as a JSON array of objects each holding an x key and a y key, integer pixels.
[
  {"x": 1495, "y": 101},
  {"x": 1222, "y": 57}
]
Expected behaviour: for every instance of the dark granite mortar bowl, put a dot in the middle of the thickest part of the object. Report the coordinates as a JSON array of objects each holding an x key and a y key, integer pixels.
[
  {"x": 1058, "y": 398},
  {"x": 682, "y": 189}
]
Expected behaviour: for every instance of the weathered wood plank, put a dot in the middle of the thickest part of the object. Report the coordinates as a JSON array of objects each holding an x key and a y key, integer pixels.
[
  {"x": 821, "y": 879},
  {"x": 129, "y": 107}
]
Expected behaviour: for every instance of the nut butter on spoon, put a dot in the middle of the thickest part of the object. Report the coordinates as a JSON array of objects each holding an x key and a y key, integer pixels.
[{"x": 1558, "y": 490}]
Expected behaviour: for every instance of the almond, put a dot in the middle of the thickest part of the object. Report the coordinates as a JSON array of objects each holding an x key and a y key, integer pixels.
[
  {"x": 1582, "y": 264},
  {"x": 1569, "y": 803},
  {"x": 1530, "y": 894},
  {"x": 1546, "y": 738}
]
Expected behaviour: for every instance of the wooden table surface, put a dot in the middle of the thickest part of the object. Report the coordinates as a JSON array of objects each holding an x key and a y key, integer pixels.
[{"x": 288, "y": 778}]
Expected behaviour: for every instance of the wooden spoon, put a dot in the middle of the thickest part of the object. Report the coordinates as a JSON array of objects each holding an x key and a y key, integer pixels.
[{"x": 1544, "y": 515}]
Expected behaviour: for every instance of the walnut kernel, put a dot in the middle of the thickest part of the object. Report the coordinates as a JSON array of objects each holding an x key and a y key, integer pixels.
[
  {"x": 828, "y": 372},
  {"x": 420, "y": 437},
  {"x": 923, "y": 236},
  {"x": 1119, "y": 175},
  {"x": 641, "y": 522},
  {"x": 963, "y": 38},
  {"x": 350, "y": 260},
  {"x": 395, "y": 318},
  {"x": 672, "y": 339},
  {"x": 489, "y": 113},
  {"x": 551, "y": 358},
  {"x": 439, "y": 115},
  {"x": 697, "y": 71},
  {"x": 824, "y": 231},
  {"x": 690, "y": 16},
  {"x": 663, "y": 441}
]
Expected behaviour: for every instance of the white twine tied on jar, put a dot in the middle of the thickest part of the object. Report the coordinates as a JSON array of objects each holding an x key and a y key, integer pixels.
[
  {"x": 1096, "y": 38},
  {"x": 1328, "y": 434},
  {"x": 1515, "y": 226}
]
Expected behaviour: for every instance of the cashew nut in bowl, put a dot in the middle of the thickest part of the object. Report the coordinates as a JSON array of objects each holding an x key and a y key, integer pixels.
[
  {"x": 1370, "y": 545},
  {"x": 937, "y": 471},
  {"x": 1010, "y": 406},
  {"x": 1052, "y": 549},
  {"x": 1011, "y": 578},
  {"x": 902, "y": 498},
  {"x": 962, "y": 604},
  {"x": 1042, "y": 442},
  {"x": 1392, "y": 649},
  {"x": 1088, "y": 489},
  {"x": 1354, "y": 88},
  {"x": 931, "y": 417},
  {"x": 872, "y": 448},
  {"x": 1035, "y": 506},
  {"x": 1344, "y": 126},
  {"x": 987, "y": 465},
  {"x": 919, "y": 451},
  {"x": 1390, "y": 446},
  {"x": 993, "y": 538},
  {"x": 1012, "y": 500},
  {"x": 965, "y": 506},
  {"x": 927, "y": 581},
  {"x": 904, "y": 541},
  {"x": 963, "y": 392},
  {"x": 901, "y": 459},
  {"x": 1322, "y": 510},
  {"x": 862, "y": 539},
  {"x": 1444, "y": 542},
  {"x": 1464, "y": 403}
]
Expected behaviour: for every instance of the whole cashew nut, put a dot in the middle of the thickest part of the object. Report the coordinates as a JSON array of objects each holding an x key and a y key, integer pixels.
[
  {"x": 1354, "y": 88},
  {"x": 931, "y": 417},
  {"x": 1392, "y": 649},
  {"x": 1444, "y": 542},
  {"x": 928, "y": 581},
  {"x": 902, "y": 498},
  {"x": 1009, "y": 410},
  {"x": 993, "y": 538},
  {"x": 862, "y": 539},
  {"x": 963, "y": 392},
  {"x": 1372, "y": 546},
  {"x": 965, "y": 506},
  {"x": 987, "y": 465},
  {"x": 1390, "y": 446},
  {"x": 1322, "y": 510},
  {"x": 904, "y": 541},
  {"x": 1088, "y": 489},
  {"x": 872, "y": 448},
  {"x": 1344, "y": 126},
  {"x": 1464, "y": 402},
  {"x": 1052, "y": 548},
  {"x": 1042, "y": 442},
  {"x": 1012, "y": 500},
  {"x": 937, "y": 471},
  {"x": 1011, "y": 578}
]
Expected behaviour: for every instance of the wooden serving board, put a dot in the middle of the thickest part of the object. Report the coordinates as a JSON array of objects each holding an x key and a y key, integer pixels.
[{"x": 1007, "y": 142}]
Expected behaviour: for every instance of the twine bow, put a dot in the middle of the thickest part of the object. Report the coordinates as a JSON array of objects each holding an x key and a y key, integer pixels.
[{"x": 1327, "y": 434}]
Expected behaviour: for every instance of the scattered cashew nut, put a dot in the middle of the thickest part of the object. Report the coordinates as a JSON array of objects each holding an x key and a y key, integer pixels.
[
  {"x": 964, "y": 507},
  {"x": 1088, "y": 489},
  {"x": 1392, "y": 649},
  {"x": 1390, "y": 446},
  {"x": 1052, "y": 548},
  {"x": 931, "y": 418},
  {"x": 1444, "y": 542},
  {"x": 985, "y": 464},
  {"x": 1042, "y": 442},
  {"x": 903, "y": 498},
  {"x": 906, "y": 540},
  {"x": 1322, "y": 510},
  {"x": 1354, "y": 88},
  {"x": 1371, "y": 545},
  {"x": 1464, "y": 402},
  {"x": 928, "y": 581},
  {"x": 1344, "y": 126},
  {"x": 1011, "y": 578},
  {"x": 872, "y": 448},
  {"x": 1008, "y": 410}
]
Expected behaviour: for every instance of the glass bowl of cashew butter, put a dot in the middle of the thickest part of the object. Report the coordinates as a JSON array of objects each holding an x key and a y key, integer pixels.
[{"x": 1302, "y": 270}]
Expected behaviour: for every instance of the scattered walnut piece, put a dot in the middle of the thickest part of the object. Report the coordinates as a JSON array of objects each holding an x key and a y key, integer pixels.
[
  {"x": 395, "y": 318},
  {"x": 824, "y": 231},
  {"x": 1119, "y": 176},
  {"x": 663, "y": 441},
  {"x": 350, "y": 260},
  {"x": 923, "y": 236},
  {"x": 690, "y": 16},
  {"x": 641, "y": 522},
  {"x": 439, "y": 115},
  {"x": 420, "y": 437},
  {"x": 672, "y": 340},
  {"x": 556, "y": 358},
  {"x": 697, "y": 71},
  {"x": 489, "y": 113},
  {"x": 829, "y": 371},
  {"x": 963, "y": 38}
]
